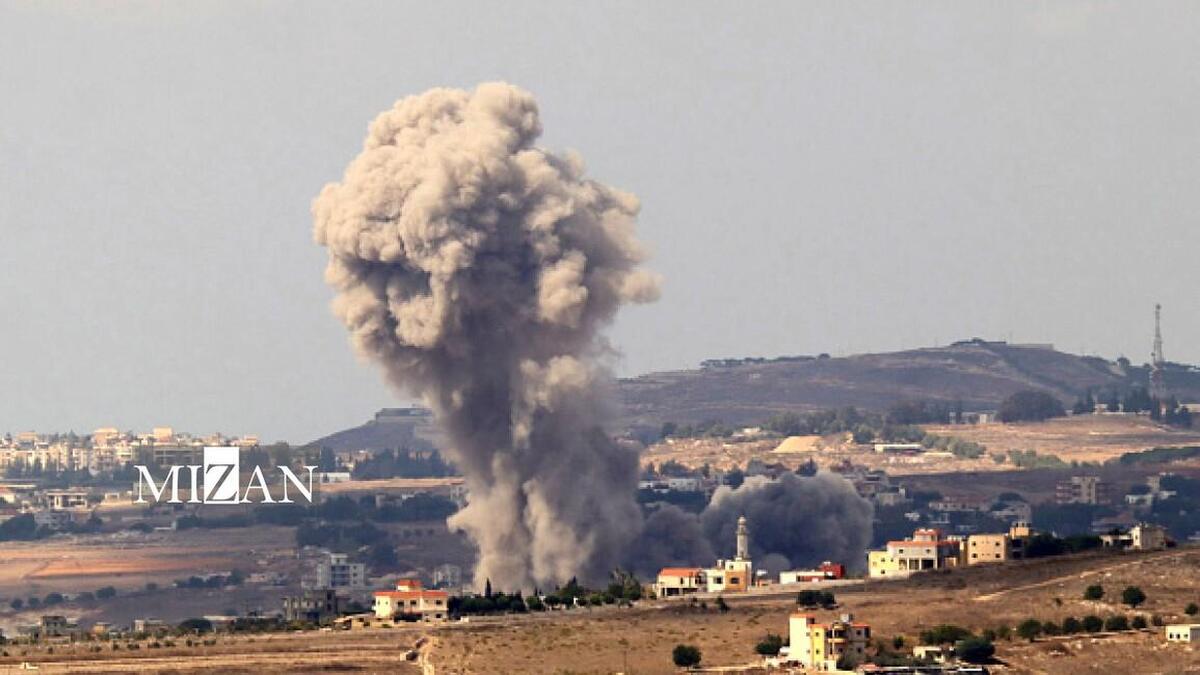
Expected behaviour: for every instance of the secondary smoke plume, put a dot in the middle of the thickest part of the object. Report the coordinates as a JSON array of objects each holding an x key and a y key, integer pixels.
[
  {"x": 806, "y": 520},
  {"x": 794, "y": 522},
  {"x": 478, "y": 269}
]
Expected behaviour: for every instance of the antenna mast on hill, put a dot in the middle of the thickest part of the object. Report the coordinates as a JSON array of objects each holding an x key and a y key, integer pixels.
[{"x": 1158, "y": 382}]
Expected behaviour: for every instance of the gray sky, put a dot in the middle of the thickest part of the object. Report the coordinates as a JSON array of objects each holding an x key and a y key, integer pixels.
[{"x": 840, "y": 177}]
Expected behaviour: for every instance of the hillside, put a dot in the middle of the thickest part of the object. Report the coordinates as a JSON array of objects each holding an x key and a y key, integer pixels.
[
  {"x": 391, "y": 428},
  {"x": 980, "y": 374}
]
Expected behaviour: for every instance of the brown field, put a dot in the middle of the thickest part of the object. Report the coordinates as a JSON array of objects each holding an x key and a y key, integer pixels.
[
  {"x": 1090, "y": 438},
  {"x": 85, "y": 562},
  {"x": 388, "y": 484},
  {"x": 977, "y": 598},
  {"x": 639, "y": 640},
  {"x": 1087, "y": 438}
]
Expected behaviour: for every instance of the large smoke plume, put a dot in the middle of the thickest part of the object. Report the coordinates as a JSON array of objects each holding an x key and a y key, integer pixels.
[
  {"x": 477, "y": 269},
  {"x": 794, "y": 522}
]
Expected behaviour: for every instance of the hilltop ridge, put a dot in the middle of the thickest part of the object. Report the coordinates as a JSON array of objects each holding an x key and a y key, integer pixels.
[{"x": 978, "y": 373}]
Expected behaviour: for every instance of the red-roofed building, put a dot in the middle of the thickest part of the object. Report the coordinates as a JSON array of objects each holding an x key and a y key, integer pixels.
[
  {"x": 410, "y": 602},
  {"x": 927, "y": 550},
  {"x": 679, "y": 581}
]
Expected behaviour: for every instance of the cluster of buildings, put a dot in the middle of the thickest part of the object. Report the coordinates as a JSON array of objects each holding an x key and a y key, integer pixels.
[
  {"x": 734, "y": 575},
  {"x": 932, "y": 549},
  {"x": 339, "y": 584},
  {"x": 107, "y": 449},
  {"x": 737, "y": 574}
]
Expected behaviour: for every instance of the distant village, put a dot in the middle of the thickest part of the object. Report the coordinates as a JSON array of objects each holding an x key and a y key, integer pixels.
[{"x": 77, "y": 485}]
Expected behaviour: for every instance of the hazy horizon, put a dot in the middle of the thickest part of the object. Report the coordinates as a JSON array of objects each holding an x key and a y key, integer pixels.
[{"x": 818, "y": 177}]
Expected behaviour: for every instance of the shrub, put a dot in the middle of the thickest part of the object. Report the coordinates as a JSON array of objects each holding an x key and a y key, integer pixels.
[
  {"x": 1116, "y": 623},
  {"x": 1138, "y": 623},
  {"x": 1093, "y": 623},
  {"x": 686, "y": 656},
  {"x": 769, "y": 645},
  {"x": 1133, "y": 596},
  {"x": 1030, "y": 406},
  {"x": 1093, "y": 592},
  {"x": 944, "y": 634},
  {"x": 1029, "y": 629},
  {"x": 975, "y": 649},
  {"x": 1156, "y": 620},
  {"x": 1051, "y": 628},
  {"x": 815, "y": 599}
]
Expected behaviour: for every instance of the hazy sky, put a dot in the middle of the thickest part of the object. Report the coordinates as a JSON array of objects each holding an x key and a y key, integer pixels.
[{"x": 815, "y": 177}]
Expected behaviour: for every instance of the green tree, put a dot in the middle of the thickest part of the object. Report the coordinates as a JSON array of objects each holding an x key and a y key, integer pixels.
[
  {"x": 686, "y": 656},
  {"x": 1029, "y": 629},
  {"x": 769, "y": 645},
  {"x": 1071, "y": 625},
  {"x": 17, "y": 604},
  {"x": 1133, "y": 596},
  {"x": 197, "y": 625},
  {"x": 1030, "y": 406},
  {"x": 1138, "y": 623},
  {"x": 1093, "y": 592},
  {"x": 975, "y": 649},
  {"x": 944, "y": 634},
  {"x": 1093, "y": 623},
  {"x": 1116, "y": 623},
  {"x": 1192, "y": 609}
]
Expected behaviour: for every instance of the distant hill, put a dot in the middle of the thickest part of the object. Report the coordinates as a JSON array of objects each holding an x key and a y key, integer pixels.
[
  {"x": 979, "y": 373},
  {"x": 391, "y": 428}
]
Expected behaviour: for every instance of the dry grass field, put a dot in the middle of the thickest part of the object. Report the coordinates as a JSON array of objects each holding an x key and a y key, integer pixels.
[
  {"x": 1091, "y": 438},
  {"x": 1088, "y": 438},
  {"x": 639, "y": 640}
]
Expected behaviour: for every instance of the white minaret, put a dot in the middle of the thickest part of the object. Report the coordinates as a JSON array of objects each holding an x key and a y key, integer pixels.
[{"x": 743, "y": 540}]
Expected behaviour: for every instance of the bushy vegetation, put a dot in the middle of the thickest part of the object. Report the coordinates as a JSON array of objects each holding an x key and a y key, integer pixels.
[
  {"x": 1133, "y": 596},
  {"x": 402, "y": 463},
  {"x": 1030, "y": 459},
  {"x": 686, "y": 656},
  {"x": 944, "y": 634},
  {"x": 769, "y": 645},
  {"x": 955, "y": 446},
  {"x": 975, "y": 649},
  {"x": 1030, "y": 405},
  {"x": 811, "y": 598},
  {"x": 1159, "y": 455}
]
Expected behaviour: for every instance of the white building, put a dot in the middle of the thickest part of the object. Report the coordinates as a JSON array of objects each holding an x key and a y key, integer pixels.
[
  {"x": 733, "y": 575},
  {"x": 1146, "y": 537},
  {"x": 410, "y": 600},
  {"x": 1183, "y": 632},
  {"x": 673, "y": 581}
]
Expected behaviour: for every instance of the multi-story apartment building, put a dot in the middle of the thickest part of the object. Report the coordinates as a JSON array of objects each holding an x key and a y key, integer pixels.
[
  {"x": 336, "y": 571},
  {"x": 928, "y": 549},
  {"x": 1083, "y": 490},
  {"x": 819, "y": 646}
]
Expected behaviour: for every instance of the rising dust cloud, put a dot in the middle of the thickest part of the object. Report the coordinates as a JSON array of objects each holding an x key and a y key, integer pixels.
[{"x": 478, "y": 270}]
